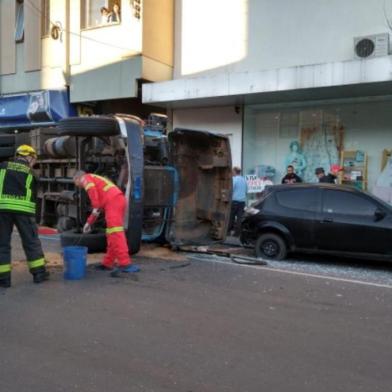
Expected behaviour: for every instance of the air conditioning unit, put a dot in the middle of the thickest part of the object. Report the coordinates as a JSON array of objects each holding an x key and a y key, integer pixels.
[{"x": 371, "y": 46}]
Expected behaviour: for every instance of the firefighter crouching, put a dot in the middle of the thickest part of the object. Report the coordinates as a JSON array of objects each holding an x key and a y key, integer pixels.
[
  {"x": 107, "y": 197},
  {"x": 17, "y": 207}
]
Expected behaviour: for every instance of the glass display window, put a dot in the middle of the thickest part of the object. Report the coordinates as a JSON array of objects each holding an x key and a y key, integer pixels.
[{"x": 310, "y": 138}]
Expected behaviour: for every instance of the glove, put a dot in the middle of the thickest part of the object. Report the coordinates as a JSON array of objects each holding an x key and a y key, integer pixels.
[
  {"x": 96, "y": 212},
  {"x": 94, "y": 216},
  {"x": 86, "y": 228}
]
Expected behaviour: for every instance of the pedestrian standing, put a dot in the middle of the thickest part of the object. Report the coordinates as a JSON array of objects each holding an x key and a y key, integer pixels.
[
  {"x": 291, "y": 177},
  {"x": 108, "y": 198},
  {"x": 332, "y": 175},
  {"x": 238, "y": 201},
  {"x": 18, "y": 207}
]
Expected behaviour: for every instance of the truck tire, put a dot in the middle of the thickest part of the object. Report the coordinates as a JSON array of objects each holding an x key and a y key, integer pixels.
[
  {"x": 65, "y": 223},
  {"x": 88, "y": 126},
  {"x": 60, "y": 147},
  {"x": 7, "y": 152},
  {"x": 95, "y": 242}
]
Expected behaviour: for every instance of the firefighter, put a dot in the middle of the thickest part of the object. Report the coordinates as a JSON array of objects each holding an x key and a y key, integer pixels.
[
  {"x": 107, "y": 197},
  {"x": 17, "y": 207}
]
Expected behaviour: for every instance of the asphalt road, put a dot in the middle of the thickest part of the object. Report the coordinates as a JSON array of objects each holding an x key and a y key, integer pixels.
[{"x": 209, "y": 326}]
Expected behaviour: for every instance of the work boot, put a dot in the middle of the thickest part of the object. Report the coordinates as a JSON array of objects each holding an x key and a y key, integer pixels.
[
  {"x": 131, "y": 268},
  {"x": 102, "y": 267},
  {"x": 5, "y": 283},
  {"x": 40, "y": 277}
]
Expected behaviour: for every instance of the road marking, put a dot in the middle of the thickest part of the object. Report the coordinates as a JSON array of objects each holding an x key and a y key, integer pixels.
[{"x": 325, "y": 277}]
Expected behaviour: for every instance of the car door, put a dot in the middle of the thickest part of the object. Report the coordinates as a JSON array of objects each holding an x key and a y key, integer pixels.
[
  {"x": 348, "y": 224},
  {"x": 296, "y": 209}
]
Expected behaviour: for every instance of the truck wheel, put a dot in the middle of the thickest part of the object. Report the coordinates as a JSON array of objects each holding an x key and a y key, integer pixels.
[
  {"x": 7, "y": 152},
  {"x": 271, "y": 246},
  {"x": 65, "y": 223},
  {"x": 88, "y": 126},
  {"x": 95, "y": 242}
]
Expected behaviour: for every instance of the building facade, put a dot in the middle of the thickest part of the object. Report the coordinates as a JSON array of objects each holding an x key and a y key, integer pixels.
[
  {"x": 306, "y": 83},
  {"x": 93, "y": 54}
]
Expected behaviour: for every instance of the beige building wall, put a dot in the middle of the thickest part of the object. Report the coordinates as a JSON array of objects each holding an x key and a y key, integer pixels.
[
  {"x": 7, "y": 39},
  {"x": 223, "y": 120},
  {"x": 158, "y": 43},
  {"x": 158, "y": 39},
  {"x": 98, "y": 63},
  {"x": 32, "y": 35},
  {"x": 222, "y": 36}
]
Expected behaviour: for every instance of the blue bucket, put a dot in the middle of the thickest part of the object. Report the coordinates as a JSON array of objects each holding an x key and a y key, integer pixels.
[{"x": 75, "y": 260}]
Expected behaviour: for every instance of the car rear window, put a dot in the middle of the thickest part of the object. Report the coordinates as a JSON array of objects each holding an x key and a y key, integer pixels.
[
  {"x": 347, "y": 203},
  {"x": 260, "y": 199},
  {"x": 299, "y": 199}
]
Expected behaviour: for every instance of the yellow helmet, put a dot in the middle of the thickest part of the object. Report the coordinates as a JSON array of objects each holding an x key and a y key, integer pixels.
[{"x": 26, "y": 151}]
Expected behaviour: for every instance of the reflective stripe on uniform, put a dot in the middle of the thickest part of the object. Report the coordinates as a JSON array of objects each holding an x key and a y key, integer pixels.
[
  {"x": 15, "y": 202},
  {"x": 107, "y": 187},
  {"x": 36, "y": 263},
  {"x": 9, "y": 204},
  {"x": 117, "y": 229},
  {"x": 19, "y": 167},
  {"x": 16, "y": 208},
  {"x": 89, "y": 185},
  {"x": 108, "y": 183},
  {"x": 2, "y": 176},
  {"x": 5, "y": 268},
  {"x": 28, "y": 187},
  {"x": 17, "y": 199}
]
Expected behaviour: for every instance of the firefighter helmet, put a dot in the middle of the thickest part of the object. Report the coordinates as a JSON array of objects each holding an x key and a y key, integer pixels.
[{"x": 26, "y": 151}]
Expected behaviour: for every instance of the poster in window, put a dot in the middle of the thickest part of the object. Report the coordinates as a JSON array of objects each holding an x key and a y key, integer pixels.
[{"x": 38, "y": 110}]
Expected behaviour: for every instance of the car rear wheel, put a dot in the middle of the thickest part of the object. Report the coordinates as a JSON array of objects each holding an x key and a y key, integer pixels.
[{"x": 271, "y": 246}]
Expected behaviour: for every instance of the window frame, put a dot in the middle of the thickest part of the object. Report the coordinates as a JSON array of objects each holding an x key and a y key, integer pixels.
[
  {"x": 350, "y": 194},
  {"x": 83, "y": 17},
  {"x": 19, "y": 20},
  {"x": 287, "y": 191}
]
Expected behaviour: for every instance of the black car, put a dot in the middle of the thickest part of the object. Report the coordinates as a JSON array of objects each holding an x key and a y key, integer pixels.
[{"x": 318, "y": 218}]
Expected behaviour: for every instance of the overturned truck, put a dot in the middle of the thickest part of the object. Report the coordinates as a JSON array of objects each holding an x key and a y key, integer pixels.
[{"x": 178, "y": 186}]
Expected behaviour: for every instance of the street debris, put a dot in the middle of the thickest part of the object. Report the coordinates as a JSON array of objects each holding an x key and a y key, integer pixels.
[
  {"x": 226, "y": 253},
  {"x": 156, "y": 251},
  {"x": 248, "y": 260}
]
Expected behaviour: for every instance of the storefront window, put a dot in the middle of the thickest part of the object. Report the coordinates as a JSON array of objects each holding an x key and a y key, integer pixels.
[
  {"x": 355, "y": 137},
  {"x": 95, "y": 13}
]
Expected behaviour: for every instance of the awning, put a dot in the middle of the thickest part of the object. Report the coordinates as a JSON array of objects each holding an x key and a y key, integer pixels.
[
  {"x": 326, "y": 81},
  {"x": 34, "y": 109}
]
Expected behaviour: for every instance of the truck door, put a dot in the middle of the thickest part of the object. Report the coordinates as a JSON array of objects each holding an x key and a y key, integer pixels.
[{"x": 203, "y": 164}]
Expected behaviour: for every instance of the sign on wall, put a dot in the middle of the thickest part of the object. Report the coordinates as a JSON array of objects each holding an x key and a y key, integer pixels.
[{"x": 256, "y": 184}]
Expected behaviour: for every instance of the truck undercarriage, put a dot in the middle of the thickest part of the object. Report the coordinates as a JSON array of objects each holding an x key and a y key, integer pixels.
[{"x": 178, "y": 187}]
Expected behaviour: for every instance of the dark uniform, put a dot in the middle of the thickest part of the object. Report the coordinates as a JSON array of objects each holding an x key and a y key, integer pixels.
[
  {"x": 329, "y": 179},
  {"x": 291, "y": 178},
  {"x": 17, "y": 207}
]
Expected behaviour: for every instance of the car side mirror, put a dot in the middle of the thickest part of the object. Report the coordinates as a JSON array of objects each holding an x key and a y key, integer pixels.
[{"x": 379, "y": 214}]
